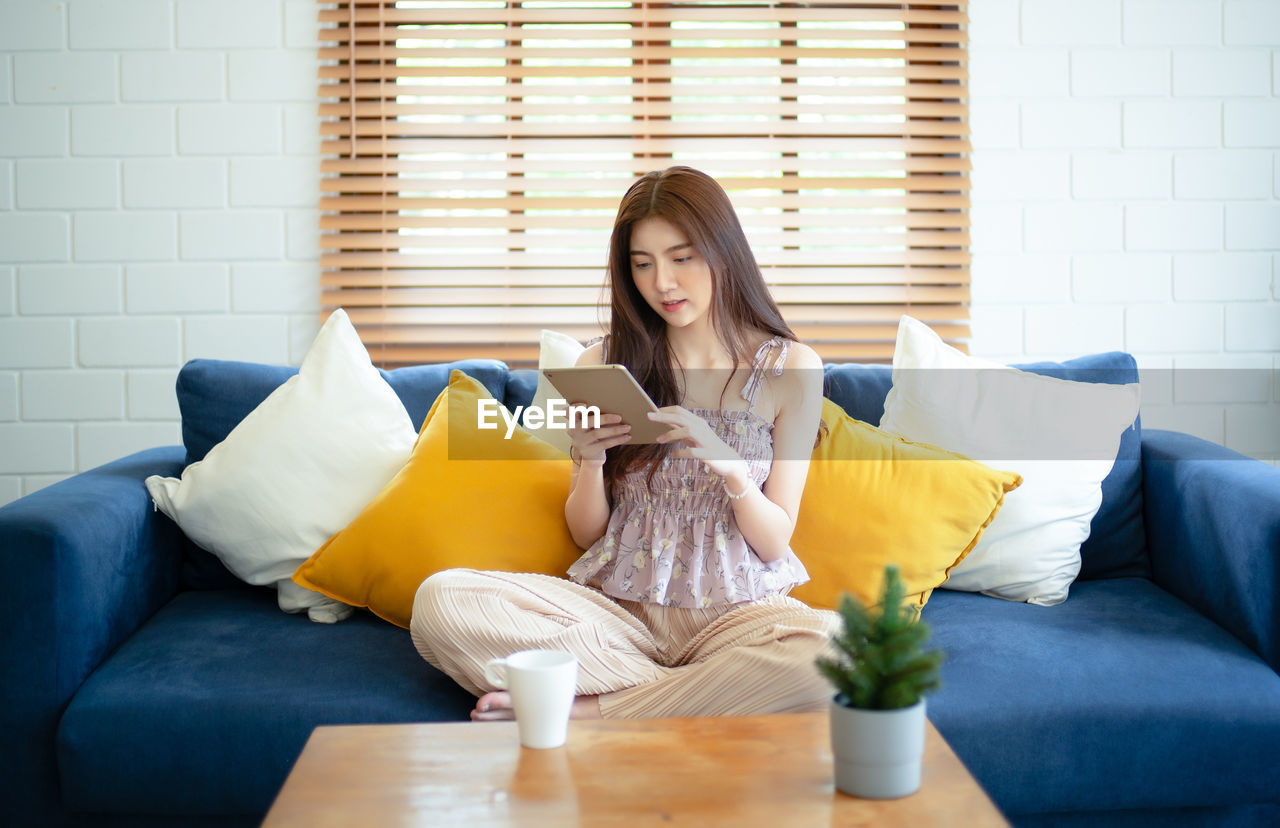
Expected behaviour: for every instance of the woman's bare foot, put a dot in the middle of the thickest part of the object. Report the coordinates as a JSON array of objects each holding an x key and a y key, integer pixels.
[
  {"x": 585, "y": 707},
  {"x": 496, "y": 706},
  {"x": 493, "y": 707}
]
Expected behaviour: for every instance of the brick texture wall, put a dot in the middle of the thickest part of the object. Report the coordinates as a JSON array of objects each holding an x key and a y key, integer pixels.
[
  {"x": 158, "y": 168},
  {"x": 1126, "y": 193},
  {"x": 158, "y": 164}
]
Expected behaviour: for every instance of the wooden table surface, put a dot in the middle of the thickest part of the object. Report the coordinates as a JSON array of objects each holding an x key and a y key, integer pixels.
[{"x": 754, "y": 770}]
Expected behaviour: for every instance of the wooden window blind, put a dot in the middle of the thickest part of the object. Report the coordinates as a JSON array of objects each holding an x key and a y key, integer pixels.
[{"x": 476, "y": 152}]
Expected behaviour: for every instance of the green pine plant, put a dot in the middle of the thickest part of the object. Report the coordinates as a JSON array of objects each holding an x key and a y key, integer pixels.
[{"x": 880, "y": 663}]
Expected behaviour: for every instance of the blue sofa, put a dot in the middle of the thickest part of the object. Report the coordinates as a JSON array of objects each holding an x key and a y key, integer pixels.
[{"x": 143, "y": 685}]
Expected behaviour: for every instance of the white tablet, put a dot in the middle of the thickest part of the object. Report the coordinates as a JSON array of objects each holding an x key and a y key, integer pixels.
[{"x": 613, "y": 390}]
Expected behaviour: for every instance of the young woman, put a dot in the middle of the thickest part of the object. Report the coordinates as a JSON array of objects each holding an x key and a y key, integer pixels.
[{"x": 678, "y": 606}]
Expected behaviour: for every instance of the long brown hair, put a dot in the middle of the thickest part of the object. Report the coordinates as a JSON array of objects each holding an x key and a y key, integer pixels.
[{"x": 741, "y": 305}]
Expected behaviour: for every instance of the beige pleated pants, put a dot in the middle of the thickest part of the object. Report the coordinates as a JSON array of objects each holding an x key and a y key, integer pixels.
[{"x": 643, "y": 660}]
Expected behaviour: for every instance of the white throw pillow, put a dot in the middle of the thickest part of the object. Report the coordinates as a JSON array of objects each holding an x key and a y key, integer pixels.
[
  {"x": 555, "y": 350},
  {"x": 296, "y": 470},
  {"x": 1061, "y": 436}
]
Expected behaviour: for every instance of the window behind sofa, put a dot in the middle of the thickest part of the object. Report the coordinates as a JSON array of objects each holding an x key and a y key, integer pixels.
[{"x": 475, "y": 153}]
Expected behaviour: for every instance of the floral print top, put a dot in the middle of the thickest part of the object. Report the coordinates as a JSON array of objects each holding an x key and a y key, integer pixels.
[{"x": 675, "y": 541}]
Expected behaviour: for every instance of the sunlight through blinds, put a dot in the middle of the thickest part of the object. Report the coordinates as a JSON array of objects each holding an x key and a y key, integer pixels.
[{"x": 475, "y": 154}]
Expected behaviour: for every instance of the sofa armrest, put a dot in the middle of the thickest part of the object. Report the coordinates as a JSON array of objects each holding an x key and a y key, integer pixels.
[
  {"x": 86, "y": 561},
  {"x": 1213, "y": 531}
]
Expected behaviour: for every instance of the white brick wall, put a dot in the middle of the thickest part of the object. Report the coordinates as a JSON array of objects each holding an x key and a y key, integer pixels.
[
  {"x": 8, "y": 396},
  {"x": 35, "y": 237},
  {"x": 127, "y": 341},
  {"x": 1052, "y": 23},
  {"x": 1172, "y": 23},
  {"x": 158, "y": 190},
  {"x": 274, "y": 288},
  {"x": 124, "y": 236},
  {"x": 7, "y": 282},
  {"x": 64, "y": 77},
  {"x": 37, "y": 343},
  {"x": 1222, "y": 277},
  {"x": 1069, "y": 226},
  {"x": 1219, "y": 379},
  {"x": 1217, "y": 73},
  {"x": 173, "y": 288},
  {"x": 68, "y": 290},
  {"x": 1115, "y": 175},
  {"x": 73, "y": 395},
  {"x": 175, "y": 183},
  {"x": 28, "y": 25},
  {"x": 1222, "y": 174},
  {"x": 1070, "y": 124},
  {"x": 1251, "y": 123},
  {"x": 260, "y": 338},
  {"x": 99, "y": 443},
  {"x": 229, "y": 24},
  {"x": 173, "y": 76},
  {"x": 1111, "y": 73},
  {"x": 1177, "y": 225},
  {"x": 150, "y": 395},
  {"x": 121, "y": 24},
  {"x": 1120, "y": 277},
  {"x": 1251, "y": 22},
  {"x": 1166, "y": 114},
  {"x": 122, "y": 131},
  {"x": 1253, "y": 226},
  {"x": 33, "y": 132},
  {"x": 1177, "y": 123},
  {"x": 68, "y": 185},
  {"x": 1075, "y": 329}
]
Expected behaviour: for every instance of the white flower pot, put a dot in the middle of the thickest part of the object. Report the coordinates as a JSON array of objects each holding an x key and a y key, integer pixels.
[{"x": 877, "y": 752}]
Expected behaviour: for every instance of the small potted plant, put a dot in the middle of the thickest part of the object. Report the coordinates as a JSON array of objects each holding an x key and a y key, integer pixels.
[{"x": 881, "y": 674}]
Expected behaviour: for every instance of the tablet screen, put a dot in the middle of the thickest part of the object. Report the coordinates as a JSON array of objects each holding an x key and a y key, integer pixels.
[{"x": 613, "y": 390}]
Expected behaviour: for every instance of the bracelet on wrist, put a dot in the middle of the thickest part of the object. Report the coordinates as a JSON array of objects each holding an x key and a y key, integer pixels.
[{"x": 742, "y": 494}]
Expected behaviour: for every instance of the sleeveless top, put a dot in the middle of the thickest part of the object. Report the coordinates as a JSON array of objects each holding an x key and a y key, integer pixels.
[{"x": 674, "y": 540}]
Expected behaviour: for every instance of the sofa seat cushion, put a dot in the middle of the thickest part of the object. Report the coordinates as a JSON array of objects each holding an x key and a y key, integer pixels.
[
  {"x": 1121, "y": 698},
  {"x": 206, "y": 707}
]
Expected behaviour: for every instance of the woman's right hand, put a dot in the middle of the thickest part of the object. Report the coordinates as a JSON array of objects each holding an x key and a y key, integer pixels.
[{"x": 589, "y": 444}]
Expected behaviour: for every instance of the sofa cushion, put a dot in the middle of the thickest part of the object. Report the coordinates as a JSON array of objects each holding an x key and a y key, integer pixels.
[
  {"x": 858, "y": 389},
  {"x": 215, "y": 395},
  {"x": 206, "y": 707},
  {"x": 555, "y": 350},
  {"x": 522, "y": 383},
  {"x": 296, "y": 469},
  {"x": 1116, "y": 546},
  {"x": 1121, "y": 698},
  {"x": 1062, "y": 437},
  {"x": 1117, "y": 543},
  {"x": 888, "y": 478},
  {"x": 439, "y": 512},
  {"x": 419, "y": 385}
]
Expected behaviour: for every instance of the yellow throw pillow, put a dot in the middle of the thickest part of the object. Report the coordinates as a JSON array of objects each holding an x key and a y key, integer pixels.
[
  {"x": 446, "y": 509},
  {"x": 873, "y": 499}
]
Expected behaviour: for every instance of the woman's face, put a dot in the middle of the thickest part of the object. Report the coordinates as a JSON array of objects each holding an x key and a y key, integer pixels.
[{"x": 672, "y": 276}]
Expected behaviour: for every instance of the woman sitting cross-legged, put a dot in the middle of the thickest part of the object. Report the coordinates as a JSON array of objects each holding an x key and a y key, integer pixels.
[{"x": 679, "y": 605}]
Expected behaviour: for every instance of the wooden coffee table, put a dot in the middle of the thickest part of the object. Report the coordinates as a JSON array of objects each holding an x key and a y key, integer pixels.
[{"x": 752, "y": 770}]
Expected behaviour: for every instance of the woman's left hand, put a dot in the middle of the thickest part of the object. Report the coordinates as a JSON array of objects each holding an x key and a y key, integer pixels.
[{"x": 699, "y": 440}]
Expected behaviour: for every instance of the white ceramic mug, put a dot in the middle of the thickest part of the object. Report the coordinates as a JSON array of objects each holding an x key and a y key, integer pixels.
[{"x": 541, "y": 684}]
